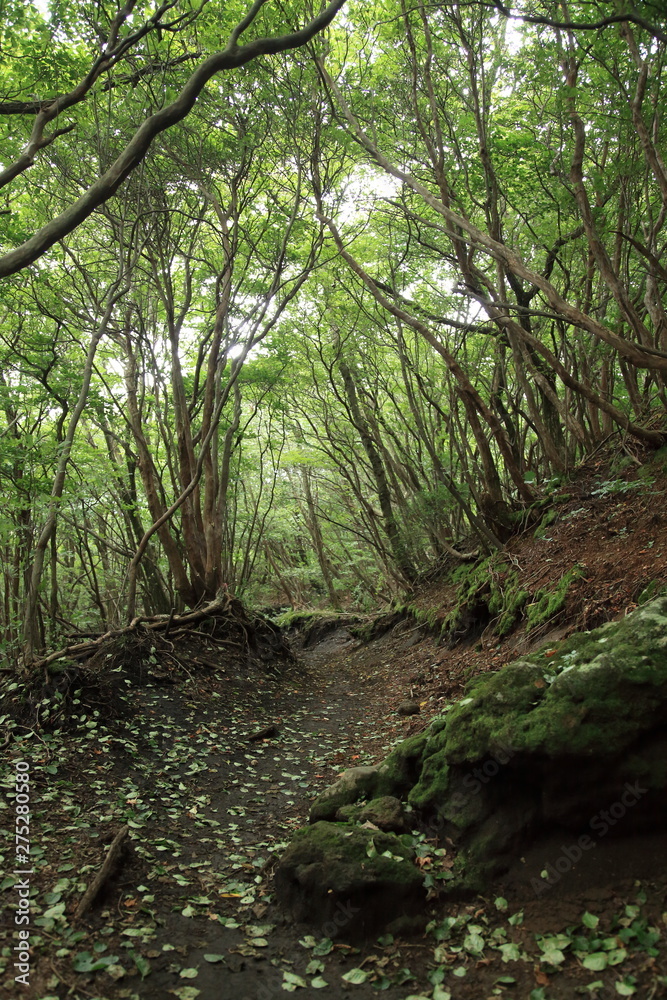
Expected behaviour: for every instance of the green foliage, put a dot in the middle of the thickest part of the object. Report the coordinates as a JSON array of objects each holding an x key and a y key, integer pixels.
[{"x": 221, "y": 231}]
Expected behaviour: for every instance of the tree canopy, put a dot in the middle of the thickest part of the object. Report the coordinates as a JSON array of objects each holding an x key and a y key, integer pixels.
[{"x": 300, "y": 301}]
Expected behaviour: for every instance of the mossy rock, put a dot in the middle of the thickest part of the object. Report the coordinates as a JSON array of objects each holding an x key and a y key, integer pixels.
[
  {"x": 399, "y": 771},
  {"x": 594, "y": 694},
  {"x": 349, "y": 813},
  {"x": 551, "y": 739},
  {"x": 349, "y": 882},
  {"x": 387, "y": 813},
  {"x": 395, "y": 776},
  {"x": 352, "y": 785}
]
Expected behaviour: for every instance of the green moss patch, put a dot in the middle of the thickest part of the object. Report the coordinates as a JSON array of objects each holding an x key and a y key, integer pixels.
[{"x": 547, "y": 603}]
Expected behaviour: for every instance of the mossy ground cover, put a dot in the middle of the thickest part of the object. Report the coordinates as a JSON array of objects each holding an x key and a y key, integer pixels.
[
  {"x": 491, "y": 593},
  {"x": 593, "y": 694}
]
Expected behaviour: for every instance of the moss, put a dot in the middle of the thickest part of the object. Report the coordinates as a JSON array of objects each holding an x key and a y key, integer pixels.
[
  {"x": 432, "y": 786},
  {"x": 496, "y": 584},
  {"x": 351, "y": 786},
  {"x": 349, "y": 862},
  {"x": 399, "y": 771},
  {"x": 294, "y": 619},
  {"x": 593, "y": 694},
  {"x": 548, "y": 603},
  {"x": 349, "y": 813},
  {"x": 437, "y": 724},
  {"x": 549, "y": 518},
  {"x": 507, "y": 600},
  {"x": 423, "y": 616},
  {"x": 475, "y": 583},
  {"x": 651, "y": 590}
]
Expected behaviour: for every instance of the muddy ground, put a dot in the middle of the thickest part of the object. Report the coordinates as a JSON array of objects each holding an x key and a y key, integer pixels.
[{"x": 189, "y": 911}]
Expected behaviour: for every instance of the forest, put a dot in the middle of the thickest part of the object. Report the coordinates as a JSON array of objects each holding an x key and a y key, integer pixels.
[
  {"x": 333, "y": 456},
  {"x": 298, "y": 303}
]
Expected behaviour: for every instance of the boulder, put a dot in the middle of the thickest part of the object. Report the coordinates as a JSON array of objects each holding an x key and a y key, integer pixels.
[
  {"x": 395, "y": 776},
  {"x": 349, "y": 787},
  {"x": 386, "y": 813},
  {"x": 349, "y": 882},
  {"x": 567, "y": 736}
]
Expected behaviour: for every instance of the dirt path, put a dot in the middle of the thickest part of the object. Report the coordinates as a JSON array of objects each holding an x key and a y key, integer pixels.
[
  {"x": 209, "y": 811},
  {"x": 190, "y": 912}
]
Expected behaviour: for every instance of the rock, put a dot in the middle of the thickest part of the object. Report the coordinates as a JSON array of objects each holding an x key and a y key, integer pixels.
[
  {"x": 385, "y": 812},
  {"x": 351, "y": 785},
  {"x": 349, "y": 814},
  {"x": 408, "y": 708},
  {"x": 335, "y": 878},
  {"x": 395, "y": 776},
  {"x": 400, "y": 770},
  {"x": 573, "y": 735}
]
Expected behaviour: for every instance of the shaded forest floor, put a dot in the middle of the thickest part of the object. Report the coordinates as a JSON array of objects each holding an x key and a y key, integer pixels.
[{"x": 189, "y": 910}]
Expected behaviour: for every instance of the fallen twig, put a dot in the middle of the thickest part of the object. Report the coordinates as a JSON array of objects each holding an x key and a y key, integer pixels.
[{"x": 105, "y": 871}]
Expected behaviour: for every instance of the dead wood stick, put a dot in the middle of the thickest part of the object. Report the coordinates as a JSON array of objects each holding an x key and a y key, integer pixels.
[
  {"x": 109, "y": 864},
  {"x": 264, "y": 734}
]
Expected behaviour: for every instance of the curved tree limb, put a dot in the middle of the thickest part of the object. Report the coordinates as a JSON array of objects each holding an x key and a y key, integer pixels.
[
  {"x": 231, "y": 57},
  {"x": 634, "y": 353}
]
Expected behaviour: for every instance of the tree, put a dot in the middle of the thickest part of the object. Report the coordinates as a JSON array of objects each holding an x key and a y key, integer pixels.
[{"x": 118, "y": 40}]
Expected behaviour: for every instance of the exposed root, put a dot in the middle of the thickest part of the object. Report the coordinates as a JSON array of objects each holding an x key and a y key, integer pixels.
[{"x": 94, "y": 676}]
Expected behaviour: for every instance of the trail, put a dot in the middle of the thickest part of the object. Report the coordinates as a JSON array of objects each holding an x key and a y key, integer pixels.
[
  {"x": 223, "y": 808},
  {"x": 190, "y": 913}
]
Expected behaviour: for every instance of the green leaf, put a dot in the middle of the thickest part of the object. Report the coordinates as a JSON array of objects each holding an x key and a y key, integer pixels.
[
  {"x": 474, "y": 944},
  {"x": 318, "y": 983},
  {"x": 440, "y": 993},
  {"x": 510, "y": 952},
  {"x": 590, "y": 920},
  {"x": 143, "y": 965},
  {"x": 186, "y": 992},
  {"x": 596, "y": 962},
  {"x": 356, "y": 976},
  {"x": 553, "y": 956},
  {"x": 189, "y": 973},
  {"x": 213, "y": 958},
  {"x": 291, "y": 979}
]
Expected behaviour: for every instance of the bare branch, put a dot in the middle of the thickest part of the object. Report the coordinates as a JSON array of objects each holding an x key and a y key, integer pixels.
[{"x": 631, "y": 17}]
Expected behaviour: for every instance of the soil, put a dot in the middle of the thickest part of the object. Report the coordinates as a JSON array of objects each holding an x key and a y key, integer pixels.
[{"x": 211, "y": 802}]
